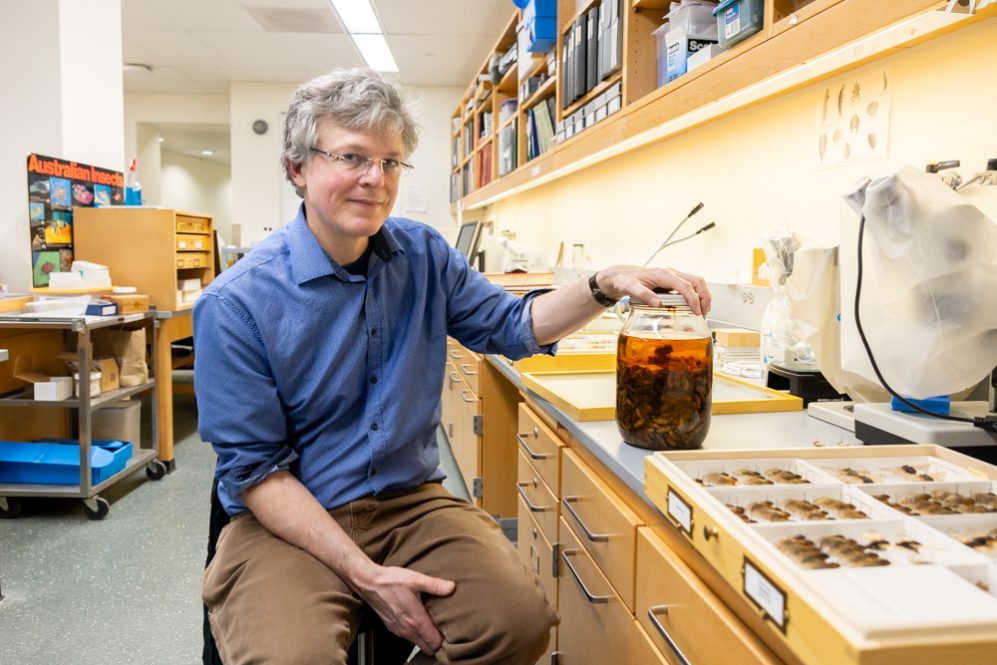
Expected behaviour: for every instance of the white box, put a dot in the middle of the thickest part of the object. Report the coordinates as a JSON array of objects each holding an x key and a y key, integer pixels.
[
  {"x": 703, "y": 55},
  {"x": 57, "y": 388},
  {"x": 94, "y": 384},
  {"x": 191, "y": 284}
]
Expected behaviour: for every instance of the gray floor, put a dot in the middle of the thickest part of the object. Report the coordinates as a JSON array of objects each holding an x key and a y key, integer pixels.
[{"x": 124, "y": 590}]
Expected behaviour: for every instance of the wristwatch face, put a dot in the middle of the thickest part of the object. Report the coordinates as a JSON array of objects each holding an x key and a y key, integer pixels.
[{"x": 598, "y": 294}]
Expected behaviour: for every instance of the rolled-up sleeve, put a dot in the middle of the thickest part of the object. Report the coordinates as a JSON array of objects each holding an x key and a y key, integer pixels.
[
  {"x": 239, "y": 410},
  {"x": 485, "y": 318}
]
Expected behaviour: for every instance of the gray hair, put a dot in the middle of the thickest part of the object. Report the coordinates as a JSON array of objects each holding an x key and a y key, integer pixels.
[{"x": 357, "y": 98}]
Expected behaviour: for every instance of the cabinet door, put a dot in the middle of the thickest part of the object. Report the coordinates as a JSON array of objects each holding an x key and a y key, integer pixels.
[
  {"x": 606, "y": 526},
  {"x": 541, "y": 446},
  {"x": 536, "y": 552},
  {"x": 682, "y": 615},
  {"x": 466, "y": 442},
  {"x": 539, "y": 501}
]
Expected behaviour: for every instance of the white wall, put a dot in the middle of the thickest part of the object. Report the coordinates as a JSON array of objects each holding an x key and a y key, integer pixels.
[
  {"x": 198, "y": 185},
  {"x": 37, "y": 101},
  {"x": 261, "y": 198},
  {"x": 757, "y": 169}
]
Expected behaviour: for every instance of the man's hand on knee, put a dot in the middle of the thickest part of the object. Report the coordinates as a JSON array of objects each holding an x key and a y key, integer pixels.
[{"x": 396, "y": 595}]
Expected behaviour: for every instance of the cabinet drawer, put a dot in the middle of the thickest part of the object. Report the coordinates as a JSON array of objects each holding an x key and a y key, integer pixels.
[
  {"x": 536, "y": 552},
  {"x": 540, "y": 502},
  {"x": 606, "y": 526},
  {"x": 187, "y": 242},
  {"x": 469, "y": 366},
  {"x": 541, "y": 446},
  {"x": 466, "y": 442},
  {"x": 673, "y": 605},
  {"x": 193, "y": 260},
  {"x": 193, "y": 224},
  {"x": 594, "y": 621}
]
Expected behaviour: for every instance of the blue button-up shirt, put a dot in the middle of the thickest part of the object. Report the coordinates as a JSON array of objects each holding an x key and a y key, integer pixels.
[{"x": 302, "y": 365}]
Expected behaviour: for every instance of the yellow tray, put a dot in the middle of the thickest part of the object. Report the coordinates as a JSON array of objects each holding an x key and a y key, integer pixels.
[{"x": 591, "y": 394}]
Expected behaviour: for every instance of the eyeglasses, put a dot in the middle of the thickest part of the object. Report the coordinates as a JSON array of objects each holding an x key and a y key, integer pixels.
[{"x": 351, "y": 162}]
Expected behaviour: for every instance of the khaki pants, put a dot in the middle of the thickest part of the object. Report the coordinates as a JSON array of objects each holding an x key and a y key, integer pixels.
[{"x": 270, "y": 602}]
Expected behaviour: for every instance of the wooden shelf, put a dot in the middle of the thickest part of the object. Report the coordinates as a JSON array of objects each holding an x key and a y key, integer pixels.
[
  {"x": 736, "y": 77},
  {"x": 593, "y": 93},
  {"x": 509, "y": 83},
  {"x": 539, "y": 95}
]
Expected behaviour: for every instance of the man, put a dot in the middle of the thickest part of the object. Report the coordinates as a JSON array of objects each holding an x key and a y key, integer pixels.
[{"x": 319, "y": 372}]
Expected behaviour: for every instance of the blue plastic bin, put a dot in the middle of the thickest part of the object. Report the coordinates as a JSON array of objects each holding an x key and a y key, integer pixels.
[
  {"x": 57, "y": 461},
  {"x": 738, "y": 19}
]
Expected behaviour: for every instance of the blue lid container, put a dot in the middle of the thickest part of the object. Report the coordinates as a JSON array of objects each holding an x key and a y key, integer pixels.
[
  {"x": 57, "y": 461},
  {"x": 738, "y": 19}
]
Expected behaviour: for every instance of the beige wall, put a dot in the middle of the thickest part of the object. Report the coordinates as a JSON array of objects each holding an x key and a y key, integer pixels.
[
  {"x": 757, "y": 169},
  {"x": 199, "y": 185}
]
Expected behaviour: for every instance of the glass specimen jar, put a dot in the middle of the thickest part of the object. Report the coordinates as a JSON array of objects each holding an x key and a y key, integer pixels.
[{"x": 664, "y": 376}]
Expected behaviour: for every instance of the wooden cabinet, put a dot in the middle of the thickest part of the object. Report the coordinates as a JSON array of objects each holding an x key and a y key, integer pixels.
[
  {"x": 682, "y": 616},
  {"x": 479, "y": 418},
  {"x": 151, "y": 249}
]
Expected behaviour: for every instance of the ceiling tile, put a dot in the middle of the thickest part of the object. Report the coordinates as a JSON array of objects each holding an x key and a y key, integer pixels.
[
  {"x": 215, "y": 15},
  {"x": 413, "y": 52},
  {"x": 163, "y": 79},
  {"x": 171, "y": 48},
  {"x": 404, "y": 17},
  {"x": 145, "y": 15},
  {"x": 282, "y": 50}
]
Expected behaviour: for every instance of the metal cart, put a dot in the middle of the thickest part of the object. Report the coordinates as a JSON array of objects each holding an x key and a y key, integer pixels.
[{"x": 145, "y": 457}]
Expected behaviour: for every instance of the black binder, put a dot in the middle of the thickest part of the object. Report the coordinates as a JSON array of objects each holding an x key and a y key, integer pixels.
[{"x": 592, "y": 50}]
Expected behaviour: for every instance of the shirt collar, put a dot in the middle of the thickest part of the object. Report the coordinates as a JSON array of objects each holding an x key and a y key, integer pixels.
[{"x": 311, "y": 262}]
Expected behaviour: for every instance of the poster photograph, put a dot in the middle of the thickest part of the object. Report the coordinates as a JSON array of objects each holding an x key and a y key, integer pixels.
[{"x": 55, "y": 186}]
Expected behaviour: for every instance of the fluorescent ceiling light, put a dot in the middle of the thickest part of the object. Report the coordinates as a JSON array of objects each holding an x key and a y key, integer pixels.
[
  {"x": 207, "y": 153},
  {"x": 358, "y": 16},
  {"x": 375, "y": 51}
]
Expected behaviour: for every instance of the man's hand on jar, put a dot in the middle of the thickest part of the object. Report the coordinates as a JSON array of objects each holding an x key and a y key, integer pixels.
[{"x": 639, "y": 283}]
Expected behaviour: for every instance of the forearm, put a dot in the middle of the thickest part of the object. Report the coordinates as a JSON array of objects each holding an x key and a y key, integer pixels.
[
  {"x": 563, "y": 311},
  {"x": 285, "y": 507}
]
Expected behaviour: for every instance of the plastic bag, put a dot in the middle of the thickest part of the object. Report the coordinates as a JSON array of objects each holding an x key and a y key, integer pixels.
[
  {"x": 780, "y": 338},
  {"x": 929, "y": 285}
]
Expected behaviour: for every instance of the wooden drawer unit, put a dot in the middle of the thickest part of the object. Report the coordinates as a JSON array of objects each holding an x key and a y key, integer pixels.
[
  {"x": 541, "y": 446},
  {"x": 596, "y": 626},
  {"x": 187, "y": 242},
  {"x": 606, "y": 526},
  {"x": 536, "y": 551},
  {"x": 537, "y": 498},
  {"x": 683, "y": 616},
  {"x": 148, "y": 248},
  {"x": 469, "y": 366}
]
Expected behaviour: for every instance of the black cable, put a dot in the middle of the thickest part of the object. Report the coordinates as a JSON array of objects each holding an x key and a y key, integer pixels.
[{"x": 985, "y": 422}]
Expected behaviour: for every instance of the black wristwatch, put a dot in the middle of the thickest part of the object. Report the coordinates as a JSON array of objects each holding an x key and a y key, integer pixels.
[{"x": 600, "y": 295}]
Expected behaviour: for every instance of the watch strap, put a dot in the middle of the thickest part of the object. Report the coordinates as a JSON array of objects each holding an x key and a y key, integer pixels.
[{"x": 597, "y": 293}]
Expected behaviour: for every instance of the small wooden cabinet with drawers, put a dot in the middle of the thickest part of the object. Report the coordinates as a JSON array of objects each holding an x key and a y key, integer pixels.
[{"x": 151, "y": 249}]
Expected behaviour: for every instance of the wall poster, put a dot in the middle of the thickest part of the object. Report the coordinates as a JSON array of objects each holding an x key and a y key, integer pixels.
[{"x": 54, "y": 187}]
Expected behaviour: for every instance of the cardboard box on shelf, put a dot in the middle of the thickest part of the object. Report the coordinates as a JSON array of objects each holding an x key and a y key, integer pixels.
[
  {"x": 45, "y": 387},
  {"x": 105, "y": 366},
  {"x": 132, "y": 302}
]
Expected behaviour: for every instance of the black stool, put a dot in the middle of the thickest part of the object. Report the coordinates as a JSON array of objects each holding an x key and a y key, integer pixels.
[{"x": 374, "y": 644}]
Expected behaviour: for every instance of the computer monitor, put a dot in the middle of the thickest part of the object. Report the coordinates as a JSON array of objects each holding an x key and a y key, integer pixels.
[{"x": 468, "y": 239}]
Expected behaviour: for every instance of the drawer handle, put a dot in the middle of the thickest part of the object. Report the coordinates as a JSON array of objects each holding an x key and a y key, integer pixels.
[
  {"x": 534, "y": 555},
  {"x": 454, "y": 378},
  {"x": 529, "y": 451},
  {"x": 529, "y": 504},
  {"x": 594, "y": 537},
  {"x": 652, "y": 613},
  {"x": 710, "y": 532},
  {"x": 464, "y": 397},
  {"x": 455, "y": 354},
  {"x": 592, "y": 598},
  {"x": 467, "y": 372}
]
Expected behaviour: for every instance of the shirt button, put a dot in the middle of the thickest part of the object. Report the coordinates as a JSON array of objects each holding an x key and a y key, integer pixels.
[
  {"x": 373, "y": 379},
  {"x": 374, "y": 426},
  {"x": 373, "y": 471},
  {"x": 373, "y": 331}
]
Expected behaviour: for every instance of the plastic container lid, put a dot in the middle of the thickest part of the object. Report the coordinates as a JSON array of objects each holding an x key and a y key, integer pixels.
[
  {"x": 122, "y": 290},
  {"x": 724, "y": 4}
]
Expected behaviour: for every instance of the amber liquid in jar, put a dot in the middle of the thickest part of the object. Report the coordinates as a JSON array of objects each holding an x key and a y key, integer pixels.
[{"x": 663, "y": 391}]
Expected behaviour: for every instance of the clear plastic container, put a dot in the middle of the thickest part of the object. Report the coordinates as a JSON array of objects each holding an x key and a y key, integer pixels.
[
  {"x": 694, "y": 17},
  {"x": 737, "y": 20},
  {"x": 664, "y": 377}
]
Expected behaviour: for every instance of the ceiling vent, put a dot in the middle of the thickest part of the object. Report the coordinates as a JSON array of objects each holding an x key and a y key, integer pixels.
[{"x": 284, "y": 19}]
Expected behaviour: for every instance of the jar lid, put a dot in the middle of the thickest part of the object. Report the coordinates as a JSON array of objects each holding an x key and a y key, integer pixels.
[{"x": 667, "y": 297}]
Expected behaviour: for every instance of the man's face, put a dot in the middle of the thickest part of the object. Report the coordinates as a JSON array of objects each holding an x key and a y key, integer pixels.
[{"x": 343, "y": 202}]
